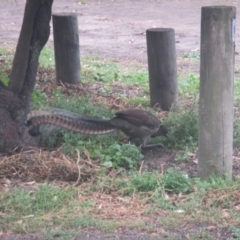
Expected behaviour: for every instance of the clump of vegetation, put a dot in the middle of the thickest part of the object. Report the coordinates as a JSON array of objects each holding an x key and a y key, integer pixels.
[
  {"x": 183, "y": 129},
  {"x": 127, "y": 156},
  {"x": 176, "y": 181}
]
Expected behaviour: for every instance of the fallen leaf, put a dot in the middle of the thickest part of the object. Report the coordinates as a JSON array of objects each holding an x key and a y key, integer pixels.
[{"x": 210, "y": 227}]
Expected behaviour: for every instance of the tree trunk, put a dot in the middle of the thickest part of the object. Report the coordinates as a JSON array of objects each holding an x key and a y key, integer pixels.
[{"x": 15, "y": 100}]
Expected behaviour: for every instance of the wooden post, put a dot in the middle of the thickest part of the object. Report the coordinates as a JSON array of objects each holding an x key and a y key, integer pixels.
[
  {"x": 66, "y": 46},
  {"x": 162, "y": 67},
  {"x": 216, "y": 91}
]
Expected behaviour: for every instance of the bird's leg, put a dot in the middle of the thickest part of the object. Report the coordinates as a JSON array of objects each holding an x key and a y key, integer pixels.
[
  {"x": 154, "y": 145},
  {"x": 130, "y": 140},
  {"x": 144, "y": 145},
  {"x": 134, "y": 141}
]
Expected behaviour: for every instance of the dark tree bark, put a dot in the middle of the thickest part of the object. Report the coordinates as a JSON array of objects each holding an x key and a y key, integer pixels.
[{"x": 15, "y": 99}]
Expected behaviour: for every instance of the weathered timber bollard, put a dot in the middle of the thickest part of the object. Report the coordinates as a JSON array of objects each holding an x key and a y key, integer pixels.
[
  {"x": 162, "y": 67},
  {"x": 216, "y": 91},
  {"x": 66, "y": 46}
]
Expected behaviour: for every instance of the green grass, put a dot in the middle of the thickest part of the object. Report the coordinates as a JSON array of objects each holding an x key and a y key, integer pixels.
[
  {"x": 183, "y": 129},
  {"x": 47, "y": 198},
  {"x": 4, "y": 78},
  {"x": 194, "y": 54},
  {"x": 189, "y": 86},
  {"x": 58, "y": 211},
  {"x": 46, "y": 59},
  {"x": 48, "y": 206}
]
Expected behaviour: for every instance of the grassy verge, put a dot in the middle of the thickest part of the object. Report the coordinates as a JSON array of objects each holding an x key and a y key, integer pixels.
[{"x": 113, "y": 191}]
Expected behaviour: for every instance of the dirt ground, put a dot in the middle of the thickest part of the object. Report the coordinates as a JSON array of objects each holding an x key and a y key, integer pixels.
[{"x": 116, "y": 29}]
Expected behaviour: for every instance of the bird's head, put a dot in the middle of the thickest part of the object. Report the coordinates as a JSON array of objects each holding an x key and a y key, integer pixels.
[{"x": 162, "y": 131}]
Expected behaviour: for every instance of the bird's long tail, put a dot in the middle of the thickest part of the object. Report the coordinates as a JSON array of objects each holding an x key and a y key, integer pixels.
[{"x": 68, "y": 120}]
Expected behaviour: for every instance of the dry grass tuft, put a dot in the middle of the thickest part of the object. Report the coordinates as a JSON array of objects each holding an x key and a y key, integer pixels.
[{"x": 38, "y": 165}]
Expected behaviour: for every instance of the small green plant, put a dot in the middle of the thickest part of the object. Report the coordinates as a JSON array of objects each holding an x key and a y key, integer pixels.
[
  {"x": 176, "y": 181},
  {"x": 125, "y": 155},
  {"x": 235, "y": 232},
  {"x": 38, "y": 99},
  {"x": 104, "y": 147},
  {"x": 183, "y": 129},
  {"x": 183, "y": 155},
  {"x": 213, "y": 183},
  {"x": 4, "y": 78},
  {"x": 146, "y": 182}
]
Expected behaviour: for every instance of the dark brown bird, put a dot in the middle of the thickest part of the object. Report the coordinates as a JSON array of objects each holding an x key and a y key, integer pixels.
[{"x": 135, "y": 123}]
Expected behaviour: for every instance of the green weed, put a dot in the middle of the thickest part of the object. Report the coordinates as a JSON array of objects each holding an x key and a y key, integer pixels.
[
  {"x": 183, "y": 129},
  {"x": 183, "y": 156},
  {"x": 106, "y": 148},
  {"x": 213, "y": 183},
  {"x": 235, "y": 232},
  {"x": 39, "y": 99},
  {"x": 176, "y": 181},
  {"x": 4, "y": 78},
  {"x": 145, "y": 182},
  {"x": 124, "y": 155}
]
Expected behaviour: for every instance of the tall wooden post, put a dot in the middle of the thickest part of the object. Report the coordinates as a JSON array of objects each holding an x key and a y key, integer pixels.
[
  {"x": 66, "y": 46},
  {"x": 216, "y": 91},
  {"x": 162, "y": 67}
]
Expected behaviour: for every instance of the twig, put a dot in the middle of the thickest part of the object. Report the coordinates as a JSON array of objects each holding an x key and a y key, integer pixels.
[
  {"x": 140, "y": 169},
  {"x": 79, "y": 168}
]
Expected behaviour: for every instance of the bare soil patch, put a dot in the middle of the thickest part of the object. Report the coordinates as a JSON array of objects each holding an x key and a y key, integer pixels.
[{"x": 116, "y": 29}]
